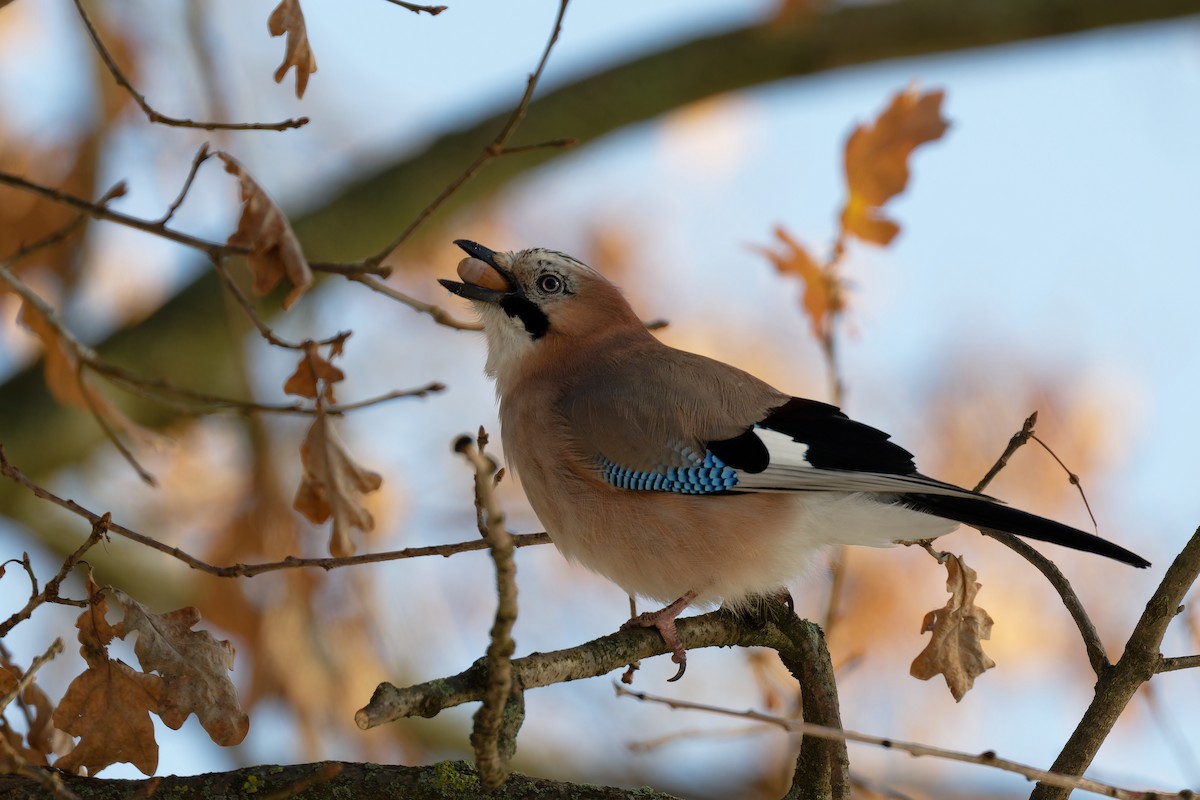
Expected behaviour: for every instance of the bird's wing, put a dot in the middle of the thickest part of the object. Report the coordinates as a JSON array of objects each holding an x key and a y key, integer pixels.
[{"x": 667, "y": 420}]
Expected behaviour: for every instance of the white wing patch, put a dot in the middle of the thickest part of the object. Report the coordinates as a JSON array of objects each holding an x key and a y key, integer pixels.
[{"x": 790, "y": 471}]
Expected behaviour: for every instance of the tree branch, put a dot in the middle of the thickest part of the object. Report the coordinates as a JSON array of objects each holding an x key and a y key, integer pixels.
[
  {"x": 321, "y": 781},
  {"x": 155, "y": 116},
  {"x": 1137, "y": 665},
  {"x": 249, "y": 570},
  {"x": 819, "y": 774},
  {"x": 493, "y": 740},
  {"x": 987, "y": 758},
  {"x": 491, "y": 151}
]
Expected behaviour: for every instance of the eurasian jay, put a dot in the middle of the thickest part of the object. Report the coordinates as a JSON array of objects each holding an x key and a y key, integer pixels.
[{"x": 680, "y": 478}]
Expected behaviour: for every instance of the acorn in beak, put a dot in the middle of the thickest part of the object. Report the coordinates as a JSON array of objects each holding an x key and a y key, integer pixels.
[{"x": 483, "y": 279}]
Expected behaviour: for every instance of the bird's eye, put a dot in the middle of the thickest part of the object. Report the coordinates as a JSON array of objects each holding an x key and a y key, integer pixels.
[{"x": 550, "y": 283}]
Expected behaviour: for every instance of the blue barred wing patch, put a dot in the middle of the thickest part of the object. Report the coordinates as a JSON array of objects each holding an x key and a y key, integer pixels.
[{"x": 707, "y": 476}]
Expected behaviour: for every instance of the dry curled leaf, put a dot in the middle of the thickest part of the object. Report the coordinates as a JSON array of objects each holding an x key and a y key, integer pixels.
[
  {"x": 108, "y": 706},
  {"x": 194, "y": 668},
  {"x": 274, "y": 249},
  {"x": 288, "y": 18},
  {"x": 876, "y": 161},
  {"x": 956, "y": 648},
  {"x": 823, "y": 296},
  {"x": 331, "y": 486},
  {"x": 312, "y": 370}
]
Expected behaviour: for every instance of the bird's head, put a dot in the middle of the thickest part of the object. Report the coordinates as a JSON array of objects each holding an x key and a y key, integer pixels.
[{"x": 538, "y": 301}]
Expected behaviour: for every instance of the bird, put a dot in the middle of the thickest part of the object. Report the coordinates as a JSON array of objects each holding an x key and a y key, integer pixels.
[{"x": 682, "y": 479}]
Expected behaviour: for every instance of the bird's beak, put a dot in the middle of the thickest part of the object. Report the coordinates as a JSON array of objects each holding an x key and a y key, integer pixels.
[{"x": 484, "y": 279}]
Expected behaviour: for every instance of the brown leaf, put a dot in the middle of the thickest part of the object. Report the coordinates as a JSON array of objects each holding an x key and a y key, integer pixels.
[
  {"x": 94, "y": 631},
  {"x": 108, "y": 706},
  {"x": 274, "y": 250},
  {"x": 331, "y": 485},
  {"x": 288, "y": 18},
  {"x": 44, "y": 739},
  {"x": 823, "y": 295},
  {"x": 876, "y": 161},
  {"x": 66, "y": 382},
  {"x": 956, "y": 648},
  {"x": 311, "y": 370},
  {"x": 193, "y": 666}
]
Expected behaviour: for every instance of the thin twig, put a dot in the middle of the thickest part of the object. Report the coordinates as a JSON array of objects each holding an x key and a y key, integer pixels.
[
  {"x": 101, "y": 525},
  {"x": 439, "y": 314},
  {"x": 432, "y": 11},
  {"x": 1178, "y": 662},
  {"x": 109, "y": 433},
  {"x": 1096, "y": 654},
  {"x": 1017, "y": 441},
  {"x": 987, "y": 758},
  {"x": 493, "y": 150},
  {"x": 54, "y": 237},
  {"x": 1071, "y": 476},
  {"x": 201, "y": 156},
  {"x": 247, "y": 305},
  {"x": 249, "y": 570},
  {"x": 152, "y": 114},
  {"x": 213, "y": 249},
  {"x": 490, "y": 756},
  {"x": 350, "y": 269},
  {"x": 163, "y": 391},
  {"x": 26, "y": 678}
]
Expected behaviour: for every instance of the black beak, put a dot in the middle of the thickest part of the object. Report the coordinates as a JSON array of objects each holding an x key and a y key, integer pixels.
[{"x": 481, "y": 293}]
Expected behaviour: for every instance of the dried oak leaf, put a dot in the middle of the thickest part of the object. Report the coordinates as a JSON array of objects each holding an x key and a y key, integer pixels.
[
  {"x": 956, "y": 648},
  {"x": 823, "y": 296},
  {"x": 331, "y": 486},
  {"x": 274, "y": 249},
  {"x": 108, "y": 706},
  {"x": 876, "y": 161},
  {"x": 288, "y": 18},
  {"x": 193, "y": 666},
  {"x": 312, "y": 369},
  {"x": 44, "y": 739}
]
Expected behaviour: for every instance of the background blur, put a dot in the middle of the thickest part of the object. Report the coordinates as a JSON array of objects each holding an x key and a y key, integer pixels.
[{"x": 1048, "y": 260}]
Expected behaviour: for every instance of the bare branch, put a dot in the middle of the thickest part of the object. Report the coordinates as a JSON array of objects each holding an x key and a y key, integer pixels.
[
  {"x": 491, "y": 752},
  {"x": 987, "y": 758},
  {"x": 201, "y": 156},
  {"x": 1071, "y": 476},
  {"x": 822, "y": 770},
  {"x": 492, "y": 150},
  {"x": 1140, "y": 661},
  {"x": 1178, "y": 662},
  {"x": 155, "y": 116},
  {"x": 1096, "y": 654},
  {"x": 27, "y": 677},
  {"x": 1017, "y": 441},
  {"x": 249, "y": 570},
  {"x": 439, "y": 314},
  {"x": 432, "y": 11},
  {"x": 96, "y": 211},
  {"x": 100, "y": 528}
]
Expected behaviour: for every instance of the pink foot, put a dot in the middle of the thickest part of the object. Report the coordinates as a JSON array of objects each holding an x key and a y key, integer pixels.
[{"x": 664, "y": 621}]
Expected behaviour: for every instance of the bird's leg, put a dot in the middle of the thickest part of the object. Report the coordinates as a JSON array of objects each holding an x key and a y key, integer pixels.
[{"x": 664, "y": 621}]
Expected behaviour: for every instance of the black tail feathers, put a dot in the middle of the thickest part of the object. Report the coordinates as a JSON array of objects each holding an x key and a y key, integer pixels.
[{"x": 988, "y": 514}]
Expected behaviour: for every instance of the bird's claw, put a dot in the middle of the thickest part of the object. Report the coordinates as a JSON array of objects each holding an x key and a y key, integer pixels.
[{"x": 663, "y": 621}]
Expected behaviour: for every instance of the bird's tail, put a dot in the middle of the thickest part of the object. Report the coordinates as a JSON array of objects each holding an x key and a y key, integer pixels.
[{"x": 989, "y": 514}]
